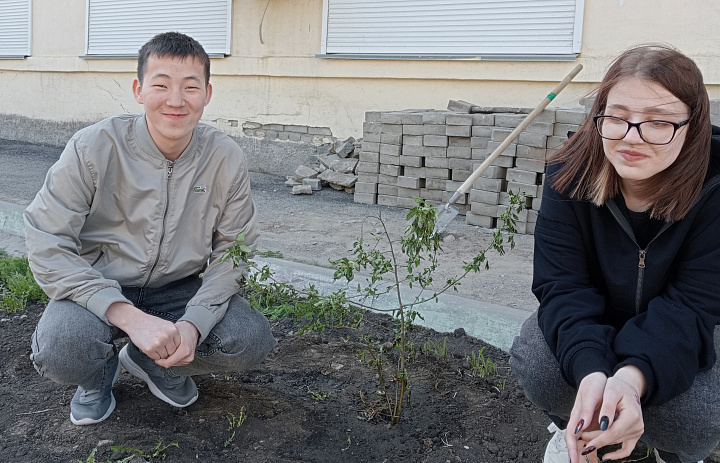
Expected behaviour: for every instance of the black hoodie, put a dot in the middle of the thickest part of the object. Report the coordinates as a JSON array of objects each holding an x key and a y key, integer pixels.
[{"x": 606, "y": 301}]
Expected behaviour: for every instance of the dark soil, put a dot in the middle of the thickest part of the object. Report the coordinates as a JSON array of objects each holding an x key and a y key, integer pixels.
[{"x": 453, "y": 416}]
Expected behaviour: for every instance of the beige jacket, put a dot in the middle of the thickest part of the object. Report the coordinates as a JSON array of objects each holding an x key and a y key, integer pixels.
[{"x": 114, "y": 212}]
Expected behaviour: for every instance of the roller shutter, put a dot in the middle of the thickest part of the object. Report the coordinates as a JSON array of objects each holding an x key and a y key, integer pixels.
[
  {"x": 490, "y": 28},
  {"x": 120, "y": 28},
  {"x": 15, "y": 35}
]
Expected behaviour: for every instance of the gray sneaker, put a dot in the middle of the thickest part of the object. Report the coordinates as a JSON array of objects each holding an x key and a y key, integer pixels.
[
  {"x": 95, "y": 405},
  {"x": 178, "y": 391}
]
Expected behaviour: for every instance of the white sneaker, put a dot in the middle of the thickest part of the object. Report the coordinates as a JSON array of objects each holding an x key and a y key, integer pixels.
[
  {"x": 556, "y": 451},
  {"x": 660, "y": 460}
]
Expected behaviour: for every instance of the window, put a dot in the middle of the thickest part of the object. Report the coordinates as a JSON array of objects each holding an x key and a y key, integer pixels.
[
  {"x": 119, "y": 29},
  {"x": 489, "y": 29},
  {"x": 15, "y": 28}
]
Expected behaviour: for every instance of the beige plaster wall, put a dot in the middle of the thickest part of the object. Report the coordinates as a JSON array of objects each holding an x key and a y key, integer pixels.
[{"x": 274, "y": 76}]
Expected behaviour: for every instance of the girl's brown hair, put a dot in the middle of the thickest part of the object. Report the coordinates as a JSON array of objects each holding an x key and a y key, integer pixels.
[{"x": 586, "y": 174}]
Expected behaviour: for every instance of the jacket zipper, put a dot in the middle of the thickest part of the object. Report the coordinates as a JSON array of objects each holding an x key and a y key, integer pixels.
[
  {"x": 97, "y": 259},
  {"x": 170, "y": 165}
]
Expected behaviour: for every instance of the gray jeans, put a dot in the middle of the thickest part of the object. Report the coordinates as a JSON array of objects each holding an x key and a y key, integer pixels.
[
  {"x": 71, "y": 345},
  {"x": 686, "y": 426}
]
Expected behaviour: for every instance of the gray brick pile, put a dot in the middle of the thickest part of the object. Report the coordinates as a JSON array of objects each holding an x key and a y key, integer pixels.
[
  {"x": 298, "y": 133},
  {"x": 429, "y": 154}
]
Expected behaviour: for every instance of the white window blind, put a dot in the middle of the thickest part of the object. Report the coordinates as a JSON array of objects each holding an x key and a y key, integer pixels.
[
  {"x": 15, "y": 28},
  {"x": 120, "y": 28},
  {"x": 486, "y": 28}
]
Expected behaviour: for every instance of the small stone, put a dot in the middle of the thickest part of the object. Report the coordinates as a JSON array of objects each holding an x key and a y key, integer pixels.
[
  {"x": 292, "y": 182},
  {"x": 336, "y": 366},
  {"x": 302, "y": 190}
]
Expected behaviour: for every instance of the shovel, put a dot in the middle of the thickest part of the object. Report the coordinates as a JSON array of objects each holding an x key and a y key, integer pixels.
[{"x": 448, "y": 212}]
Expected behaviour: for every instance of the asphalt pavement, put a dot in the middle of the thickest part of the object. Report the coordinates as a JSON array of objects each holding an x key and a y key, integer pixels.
[{"x": 23, "y": 167}]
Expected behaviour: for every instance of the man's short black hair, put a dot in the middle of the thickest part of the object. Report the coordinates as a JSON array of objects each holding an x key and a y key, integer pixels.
[{"x": 173, "y": 44}]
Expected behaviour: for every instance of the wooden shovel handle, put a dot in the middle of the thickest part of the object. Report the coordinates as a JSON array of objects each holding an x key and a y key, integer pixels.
[{"x": 515, "y": 133}]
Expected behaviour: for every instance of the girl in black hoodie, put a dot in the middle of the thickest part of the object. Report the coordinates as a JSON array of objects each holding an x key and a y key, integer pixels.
[{"x": 627, "y": 271}]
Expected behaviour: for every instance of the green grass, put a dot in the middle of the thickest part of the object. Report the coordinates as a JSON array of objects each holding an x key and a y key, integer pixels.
[{"x": 17, "y": 284}]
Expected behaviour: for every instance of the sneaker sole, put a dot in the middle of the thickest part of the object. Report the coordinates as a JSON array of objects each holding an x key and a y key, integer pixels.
[
  {"x": 138, "y": 372},
  {"x": 111, "y": 408}
]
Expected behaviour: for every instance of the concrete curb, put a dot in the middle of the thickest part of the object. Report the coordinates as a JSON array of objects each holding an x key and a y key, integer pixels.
[
  {"x": 494, "y": 324},
  {"x": 11, "y": 219},
  {"x": 497, "y": 325}
]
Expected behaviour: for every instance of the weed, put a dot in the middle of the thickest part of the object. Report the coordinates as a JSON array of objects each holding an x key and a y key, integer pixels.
[
  {"x": 318, "y": 396},
  {"x": 90, "y": 458},
  {"x": 501, "y": 385},
  {"x": 278, "y": 300},
  {"x": 274, "y": 254},
  {"x": 234, "y": 422},
  {"x": 434, "y": 346},
  {"x": 158, "y": 452},
  {"x": 481, "y": 366},
  {"x": 17, "y": 284}
]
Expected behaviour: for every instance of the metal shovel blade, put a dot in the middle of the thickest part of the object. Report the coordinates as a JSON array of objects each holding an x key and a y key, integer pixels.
[{"x": 445, "y": 215}]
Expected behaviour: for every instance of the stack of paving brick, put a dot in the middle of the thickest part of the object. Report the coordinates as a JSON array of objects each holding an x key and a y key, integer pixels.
[
  {"x": 298, "y": 133},
  {"x": 429, "y": 154}
]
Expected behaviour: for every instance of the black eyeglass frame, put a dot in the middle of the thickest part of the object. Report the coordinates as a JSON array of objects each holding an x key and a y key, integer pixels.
[{"x": 676, "y": 126}]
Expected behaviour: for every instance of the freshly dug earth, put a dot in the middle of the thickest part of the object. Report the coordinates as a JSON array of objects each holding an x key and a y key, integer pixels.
[{"x": 313, "y": 400}]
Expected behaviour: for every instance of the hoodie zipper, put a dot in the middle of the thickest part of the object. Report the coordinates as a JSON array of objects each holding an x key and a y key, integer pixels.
[
  {"x": 170, "y": 165},
  {"x": 642, "y": 253},
  {"x": 641, "y": 275}
]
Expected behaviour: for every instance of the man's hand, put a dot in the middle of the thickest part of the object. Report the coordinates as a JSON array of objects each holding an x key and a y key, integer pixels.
[
  {"x": 185, "y": 352},
  {"x": 157, "y": 338}
]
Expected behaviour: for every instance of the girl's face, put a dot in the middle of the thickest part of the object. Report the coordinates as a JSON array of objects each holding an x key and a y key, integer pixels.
[{"x": 638, "y": 100}]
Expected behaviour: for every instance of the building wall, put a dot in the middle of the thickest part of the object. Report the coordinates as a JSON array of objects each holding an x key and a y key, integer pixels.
[{"x": 279, "y": 79}]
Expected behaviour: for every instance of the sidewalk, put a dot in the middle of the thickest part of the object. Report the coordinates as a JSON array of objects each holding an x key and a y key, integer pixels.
[{"x": 24, "y": 167}]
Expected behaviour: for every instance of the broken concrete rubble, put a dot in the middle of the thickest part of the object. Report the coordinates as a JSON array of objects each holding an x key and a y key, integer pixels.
[
  {"x": 344, "y": 166},
  {"x": 337, "y": 178},
  {"x": 303, "y": 172},
  {"x": 315, "y": 183},
  {"x": 335, "y": 165},
  {"x": 302, "y": 190}
]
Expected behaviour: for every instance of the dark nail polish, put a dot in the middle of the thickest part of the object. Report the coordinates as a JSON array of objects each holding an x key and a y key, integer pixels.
[
  {"x": 604, "y": 421},
  {"x": 588, "y": 450},
  {"x": 580, "y": 425}
]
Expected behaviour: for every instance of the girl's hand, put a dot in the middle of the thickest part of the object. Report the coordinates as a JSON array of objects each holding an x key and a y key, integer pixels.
[
  {"x": 620, "y": 416},
  {"x": 588, "y": 401}
]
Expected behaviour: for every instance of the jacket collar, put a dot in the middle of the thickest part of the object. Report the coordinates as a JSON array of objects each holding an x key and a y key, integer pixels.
[{"x": 148, "y": 146}]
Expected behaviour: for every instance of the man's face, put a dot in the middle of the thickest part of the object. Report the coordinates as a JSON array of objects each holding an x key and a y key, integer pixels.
[{"x": 174, "y": 94}]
